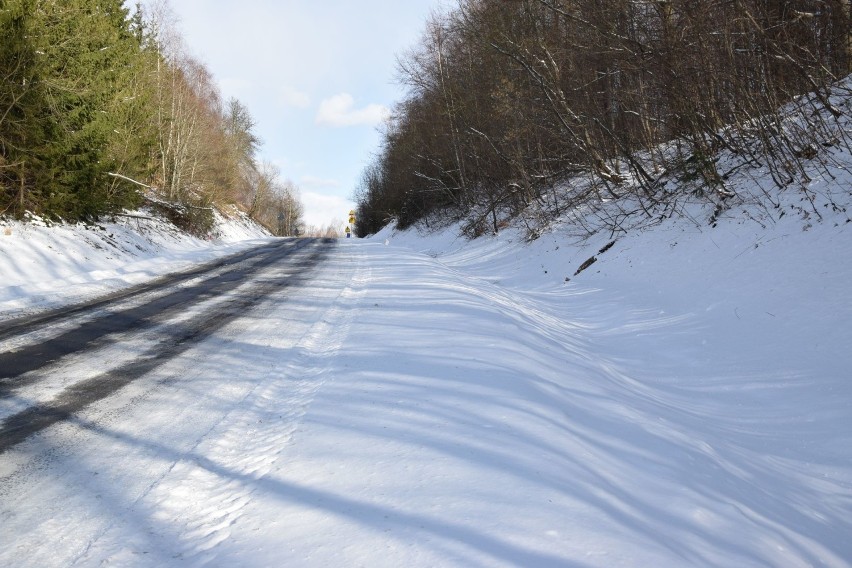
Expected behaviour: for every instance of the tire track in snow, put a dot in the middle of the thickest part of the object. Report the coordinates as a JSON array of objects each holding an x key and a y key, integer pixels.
[
  {"x": 210, "y": 487},
  {"x": 54, "y": 317},
  {"x": 96, "y": 332},
  {"x": 311, "y": 370},
  {"x": 16, "y": 428}
]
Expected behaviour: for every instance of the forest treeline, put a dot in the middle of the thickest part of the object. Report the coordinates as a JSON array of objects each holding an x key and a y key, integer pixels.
[
  {"x": 102, "y": 110},
  {"x": 510, "y": 102}
]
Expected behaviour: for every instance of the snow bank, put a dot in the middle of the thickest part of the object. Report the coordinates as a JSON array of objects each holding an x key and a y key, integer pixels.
[
  {"x": 754, "y": 294},
  {"x": 43, "y": 265},
  {"x": 687, "y": 393}
]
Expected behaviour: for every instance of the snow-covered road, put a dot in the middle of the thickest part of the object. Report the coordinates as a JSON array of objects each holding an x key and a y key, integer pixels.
[
  {"x": 76, "y": 490},
  {"x": 57, "y": 363},
  {"x": 402, "y": 410}
]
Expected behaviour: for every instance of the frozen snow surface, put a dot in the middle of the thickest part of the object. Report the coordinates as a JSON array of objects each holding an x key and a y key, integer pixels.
[
  {"x": 44, "y": 265},
  {"x": 686, "y": 400}
]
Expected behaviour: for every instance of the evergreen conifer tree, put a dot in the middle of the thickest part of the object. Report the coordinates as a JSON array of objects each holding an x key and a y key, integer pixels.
[
  {"x": 23, "y": 131},
  {"x": 72, "y": 83}
]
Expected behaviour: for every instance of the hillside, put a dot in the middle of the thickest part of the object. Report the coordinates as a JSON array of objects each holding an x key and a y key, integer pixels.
[
  {"x": 614, "y": 387},
  {"x": 696, "y": 380}
]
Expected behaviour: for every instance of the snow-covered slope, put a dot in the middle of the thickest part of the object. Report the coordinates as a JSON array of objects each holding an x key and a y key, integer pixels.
[
  {"x": 695, "y": 383},
  {"x": 44, "y": 265}
]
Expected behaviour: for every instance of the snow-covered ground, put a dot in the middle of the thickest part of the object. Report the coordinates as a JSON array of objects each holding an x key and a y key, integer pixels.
[
  {"x": 684, "y": 401},
  {"x": 45, "y": 265}
]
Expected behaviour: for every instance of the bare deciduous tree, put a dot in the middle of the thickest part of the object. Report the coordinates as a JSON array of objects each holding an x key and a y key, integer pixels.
[{"x": 508, "y": 99}]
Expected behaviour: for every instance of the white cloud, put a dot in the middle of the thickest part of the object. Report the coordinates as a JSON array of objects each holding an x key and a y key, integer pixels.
[
  {"x": 294, "y": 98},
  {"x": 340, "y": 110}
]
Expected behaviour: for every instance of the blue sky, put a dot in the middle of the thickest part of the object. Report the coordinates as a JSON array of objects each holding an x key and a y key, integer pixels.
[{"x": 317, "y": 75}]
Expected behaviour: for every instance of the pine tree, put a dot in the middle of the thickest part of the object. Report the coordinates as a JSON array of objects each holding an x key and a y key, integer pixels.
[
  {"x": 89, "y": 54},
  {"x": 76, "y": 101},
  {"x": 22, "y": 128}
]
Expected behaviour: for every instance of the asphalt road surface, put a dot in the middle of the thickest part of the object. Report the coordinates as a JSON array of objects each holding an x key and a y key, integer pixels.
[{"x": 160, "y": 319}]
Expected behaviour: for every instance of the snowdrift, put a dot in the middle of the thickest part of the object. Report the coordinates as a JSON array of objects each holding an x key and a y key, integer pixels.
[{"x": 44, "y": 265}]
